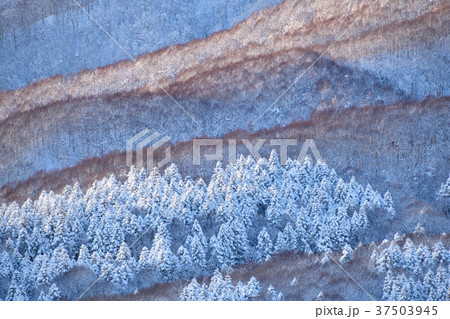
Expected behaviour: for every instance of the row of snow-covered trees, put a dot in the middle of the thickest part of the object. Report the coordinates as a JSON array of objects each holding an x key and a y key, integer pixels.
[
  {"x": 414, "y": 273},
  {"x": 221, "y": 289},
  {"x": 170, "y": 227}
]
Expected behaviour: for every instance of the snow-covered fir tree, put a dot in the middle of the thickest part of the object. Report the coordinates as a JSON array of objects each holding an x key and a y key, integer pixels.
[
  {"x": 264, "y": 248},
  {"x": 221, "y": 289}
]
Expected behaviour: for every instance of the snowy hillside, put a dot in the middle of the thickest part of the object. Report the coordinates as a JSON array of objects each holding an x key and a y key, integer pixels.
[
  {"x": 228, "y": 80},
  {"x": 68, "y": 42}
]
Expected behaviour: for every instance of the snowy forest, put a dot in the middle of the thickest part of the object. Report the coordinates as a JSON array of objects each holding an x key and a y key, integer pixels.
[
  {"x": 414, "y": 273},
  {"x": 154, "y": 228}
]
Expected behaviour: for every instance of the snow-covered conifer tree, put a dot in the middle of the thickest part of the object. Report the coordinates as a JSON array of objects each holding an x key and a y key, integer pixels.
[
  {"x": 340, "y": 192},
  {"x": 197, "y": 252},
  {"x": 191, "y": 292},
  {"x": 264, "y": 247},
  {"x": 240, "y": 240},
  {"x": 53, "y": 293},
  {"x": 388, "y": 204},
  {"x": 253, "y": 288},
  {"x": 275, "y": 170},
  {"x": 6, "y": 267},
  {"x": 346, "y": 254},
  {"x": 222, "y": 246},
  {"x": 60, "y": 261},
  {"x": 273, "y": 295},
  {"x": 124, "y": 268},
  {"x": 286, "y": 240},
  {"x": 185, "y": 265},
  {"x": 216, "y": 286},
  {"x": 440, "y": 254},
  {"x": 144, "y": 259},
  {"x": 16, "y": 292},
  {"x": 161, "y": 255},
  {"x": 274, "y": 210},
  {"x": 84, "y": 258}
]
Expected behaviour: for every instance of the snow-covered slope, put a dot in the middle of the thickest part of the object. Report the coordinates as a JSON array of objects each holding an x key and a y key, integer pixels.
[
  {"x": 227, "y": 80},
  {"x": 408, "y": 48},
  {"x": 68, "y": 41}
]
